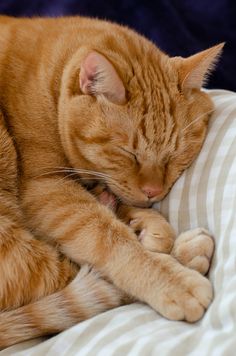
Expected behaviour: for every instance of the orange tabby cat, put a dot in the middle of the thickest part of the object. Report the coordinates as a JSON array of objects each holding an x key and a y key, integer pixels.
[{"x": 88, "y": 101}]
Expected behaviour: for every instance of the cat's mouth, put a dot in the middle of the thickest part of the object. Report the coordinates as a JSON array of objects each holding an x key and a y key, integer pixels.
[
  {"x": 108, "y": 199},
  {"x": 120, "y": 198},
  {"x": 111, "y": 199},
  {"x": 112, "y": 196}
]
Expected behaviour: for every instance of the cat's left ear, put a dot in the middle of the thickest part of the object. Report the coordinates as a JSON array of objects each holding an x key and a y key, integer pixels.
[
  {"x": 99, "y": 77},
  {"x": 193, "y": 71}
]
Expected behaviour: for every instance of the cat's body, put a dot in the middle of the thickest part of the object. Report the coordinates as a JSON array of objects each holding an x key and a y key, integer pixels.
[{"x": 94, "y": 96}]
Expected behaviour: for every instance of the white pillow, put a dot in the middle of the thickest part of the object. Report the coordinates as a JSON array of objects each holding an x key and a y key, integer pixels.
[{"x": 205, "y": 196}]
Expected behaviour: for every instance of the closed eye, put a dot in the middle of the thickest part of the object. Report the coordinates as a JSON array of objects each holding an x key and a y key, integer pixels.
[{"x": 129, "y": 153}]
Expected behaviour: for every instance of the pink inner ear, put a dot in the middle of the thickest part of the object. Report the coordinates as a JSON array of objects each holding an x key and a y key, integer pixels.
[
  {"x": 99, "y": 77},
  {"x": 87, "y": 73}
]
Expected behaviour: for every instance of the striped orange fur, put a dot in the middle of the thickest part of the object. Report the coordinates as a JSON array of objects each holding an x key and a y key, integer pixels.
[{"x": 90, "y": 102}]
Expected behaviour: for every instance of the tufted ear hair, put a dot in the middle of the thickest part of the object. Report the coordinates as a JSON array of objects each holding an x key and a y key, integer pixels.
[
  {"x": 194, "y": 70},
  {"x": 99, "y": 77}
]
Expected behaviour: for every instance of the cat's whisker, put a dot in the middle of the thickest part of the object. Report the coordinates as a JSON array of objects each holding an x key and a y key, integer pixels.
[
  {"x": 76, "y": 171},
  {"x": 198, "y": 118},
  {"x": 65, "y": 177},
  {"x": 84, "y": 171},
  {"x": 54, "y": 172},
  {"x": 97, "y": 174}
]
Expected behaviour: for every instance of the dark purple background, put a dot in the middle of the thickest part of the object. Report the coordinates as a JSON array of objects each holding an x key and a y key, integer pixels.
[{"x": 179, "y": 27}]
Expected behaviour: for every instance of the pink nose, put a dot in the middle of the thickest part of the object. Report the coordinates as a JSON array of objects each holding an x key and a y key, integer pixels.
[{"x": 151, "y": 191}]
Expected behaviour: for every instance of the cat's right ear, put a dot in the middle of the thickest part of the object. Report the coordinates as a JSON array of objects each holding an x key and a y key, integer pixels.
[
  {"x": 194, "y": 70},
  {"x": 99, "y": 77}
]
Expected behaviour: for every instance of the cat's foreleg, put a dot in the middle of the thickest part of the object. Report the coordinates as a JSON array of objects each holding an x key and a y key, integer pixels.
[{"x": 87, "y": 231}]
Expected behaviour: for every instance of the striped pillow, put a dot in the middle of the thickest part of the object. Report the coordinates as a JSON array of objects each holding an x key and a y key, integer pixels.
[{"x": 205, "y": 196}]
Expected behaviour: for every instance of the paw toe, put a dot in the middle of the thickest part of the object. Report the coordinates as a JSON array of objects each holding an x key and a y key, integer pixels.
[
  {"x": 200, "y": 264},
  {"x": 194, "y": 249}
]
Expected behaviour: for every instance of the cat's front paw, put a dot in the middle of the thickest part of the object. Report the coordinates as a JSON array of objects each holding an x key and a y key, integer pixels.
[
  {"x": 153, "y": 231},
  {"x": 185, "y": 297},
  {"x": 194, "y": 249}
]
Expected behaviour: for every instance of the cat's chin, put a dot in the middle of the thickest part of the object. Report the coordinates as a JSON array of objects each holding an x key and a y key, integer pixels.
[
  {"x": 143, "y": 205},
  {"x": 138, "y": 204},
  {"x": 133, "y": 202},
  {"x": 129, "y": 201}
]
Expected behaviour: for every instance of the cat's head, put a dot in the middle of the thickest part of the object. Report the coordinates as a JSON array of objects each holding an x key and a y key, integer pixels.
[{"x": 135, "y": 124}]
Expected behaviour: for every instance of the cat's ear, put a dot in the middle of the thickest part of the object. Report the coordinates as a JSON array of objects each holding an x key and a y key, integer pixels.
[
  {"x": 98, "y": 76},
  {"x": 193, "y": 71}
]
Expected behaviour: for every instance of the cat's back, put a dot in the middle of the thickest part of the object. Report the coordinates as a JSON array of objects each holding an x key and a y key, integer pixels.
[
  {"x": 33, "y": 53},
  {"x": 30, "y": 37},
  {"x": 79, "y": 30},
  {"x": 36, "y": 50},
  {"x": 27, "y": 45}
]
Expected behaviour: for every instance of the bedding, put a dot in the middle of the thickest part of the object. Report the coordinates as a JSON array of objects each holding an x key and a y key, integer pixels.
[{"x": 205, "y": 195}]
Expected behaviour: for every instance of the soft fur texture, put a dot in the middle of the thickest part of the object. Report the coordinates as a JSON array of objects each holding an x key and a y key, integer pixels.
[{"x": 86, "y": 102}]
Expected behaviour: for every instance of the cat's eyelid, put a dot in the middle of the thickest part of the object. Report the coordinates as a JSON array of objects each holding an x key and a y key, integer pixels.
[{"x": 127, "y": 151}]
